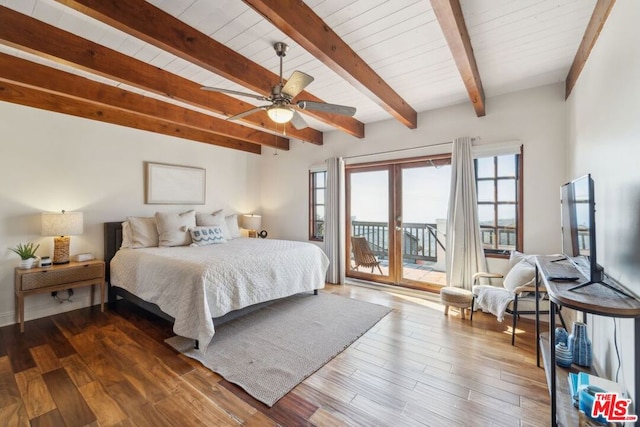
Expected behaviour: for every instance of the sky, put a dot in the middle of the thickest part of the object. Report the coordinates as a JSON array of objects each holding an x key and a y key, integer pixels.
[{"x": 425, "y": 194}]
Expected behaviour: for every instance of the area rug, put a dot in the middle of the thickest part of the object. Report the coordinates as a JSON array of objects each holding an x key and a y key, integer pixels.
[{"x": 271, "y": 350}]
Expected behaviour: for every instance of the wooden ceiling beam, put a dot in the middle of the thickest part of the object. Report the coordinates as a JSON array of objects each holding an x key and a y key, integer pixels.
[
  {"x": 33, "y": 36},
  {"x": 32, "y": 97},
  {"x": 298, "y": 21},
  {"x": 451, "y": 20},
  {"x": 598, "y": 18},
  {"x": 27, "y": 73},
  {"x": 151, "y": 24}
]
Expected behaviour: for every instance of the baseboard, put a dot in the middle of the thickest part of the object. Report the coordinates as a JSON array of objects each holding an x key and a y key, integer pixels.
[{"x": 49, "y": 309}]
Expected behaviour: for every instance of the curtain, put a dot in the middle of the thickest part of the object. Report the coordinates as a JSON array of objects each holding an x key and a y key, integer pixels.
[
  {"x": 334, "y": 218},
  {"x": 464, "y": 255}
]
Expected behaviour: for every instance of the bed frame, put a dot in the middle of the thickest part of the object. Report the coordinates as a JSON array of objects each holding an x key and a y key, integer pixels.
[{"x": 112, "y": 242}]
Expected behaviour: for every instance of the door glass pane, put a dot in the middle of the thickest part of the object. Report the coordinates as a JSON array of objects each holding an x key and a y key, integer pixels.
[
  {"x": 320, "y": 196},
  {"x": 369, "y": 203},
  {"x": 425, "y": 200}
]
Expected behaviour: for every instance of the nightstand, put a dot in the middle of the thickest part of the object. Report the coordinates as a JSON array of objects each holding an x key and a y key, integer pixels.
[{"x": 57, "y": 278}]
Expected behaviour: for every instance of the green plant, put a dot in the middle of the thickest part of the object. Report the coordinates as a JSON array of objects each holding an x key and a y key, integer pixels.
[{"x": 25, "y": 251}]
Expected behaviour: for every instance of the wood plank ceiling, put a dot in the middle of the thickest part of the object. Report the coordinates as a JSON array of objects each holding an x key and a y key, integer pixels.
[{"x": 141, "y": 63}]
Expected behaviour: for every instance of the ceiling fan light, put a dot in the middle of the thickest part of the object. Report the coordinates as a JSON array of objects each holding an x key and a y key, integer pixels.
[{"x": 280, "y": 114}]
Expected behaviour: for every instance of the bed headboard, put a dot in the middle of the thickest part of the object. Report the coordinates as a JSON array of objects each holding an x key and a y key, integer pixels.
[{"x": 112, "y": 242}]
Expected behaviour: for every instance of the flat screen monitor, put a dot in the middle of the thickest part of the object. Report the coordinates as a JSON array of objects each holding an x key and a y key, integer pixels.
[{"x": 579, "y": 224}]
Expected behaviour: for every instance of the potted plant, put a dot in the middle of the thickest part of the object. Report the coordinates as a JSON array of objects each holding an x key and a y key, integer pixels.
[{"x": 27, "y": 254}]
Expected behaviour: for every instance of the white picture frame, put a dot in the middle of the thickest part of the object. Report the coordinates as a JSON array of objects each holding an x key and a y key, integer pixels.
[{"x": 167, "y": 184}]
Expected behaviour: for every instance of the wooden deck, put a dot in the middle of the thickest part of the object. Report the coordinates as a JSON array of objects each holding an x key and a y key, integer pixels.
[
  {"x": 418, "y": 273},
  {"x": 415, "y": 367}
]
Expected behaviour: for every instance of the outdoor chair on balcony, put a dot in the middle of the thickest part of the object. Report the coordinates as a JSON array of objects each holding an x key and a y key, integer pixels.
[{"x": 362, "y": 254}]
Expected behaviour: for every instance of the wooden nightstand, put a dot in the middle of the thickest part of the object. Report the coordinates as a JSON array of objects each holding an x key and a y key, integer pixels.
[{"x": 57, "y": 278}]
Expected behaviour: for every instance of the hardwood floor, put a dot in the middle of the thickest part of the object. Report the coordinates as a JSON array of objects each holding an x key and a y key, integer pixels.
[{"x": 416, "y": 367}]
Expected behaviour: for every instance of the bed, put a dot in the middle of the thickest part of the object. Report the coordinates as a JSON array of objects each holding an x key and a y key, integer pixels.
[{"x": 197, "y": 287}]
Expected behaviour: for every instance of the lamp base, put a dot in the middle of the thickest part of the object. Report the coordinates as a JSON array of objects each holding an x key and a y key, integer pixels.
[
  {"x": 61, "y": 249},
  {"x": 253, "y": 233}
]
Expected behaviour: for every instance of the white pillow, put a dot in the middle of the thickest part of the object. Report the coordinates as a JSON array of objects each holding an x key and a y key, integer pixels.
[
  {"x": 173, "y": 228},
  {"x": 127, "y": 235},
  {"x": 144, "y": 232},
  {"x": 206, "y": 235},
  {"x": 523, "y": 273},
  {"x": 232, "y": 225},
  {"x": 516, "y": 257},
  {"x": 216, "y": 218}
]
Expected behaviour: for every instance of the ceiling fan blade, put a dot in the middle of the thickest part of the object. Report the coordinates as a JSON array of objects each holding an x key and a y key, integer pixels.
[
  {"x": 246, "y": 113},
  {"x": 327, "y": 108},
  {"x": 296, "y": 84},
  {"x": 234, "y": 92},
  {"x": 298, "y": 122}
]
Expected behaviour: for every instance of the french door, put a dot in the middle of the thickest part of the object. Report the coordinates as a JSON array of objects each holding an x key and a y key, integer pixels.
[{"x": 396, "y": 217}]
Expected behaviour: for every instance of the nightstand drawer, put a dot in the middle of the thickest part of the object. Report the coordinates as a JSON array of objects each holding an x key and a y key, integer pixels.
[{"x": 46, "y": 278}]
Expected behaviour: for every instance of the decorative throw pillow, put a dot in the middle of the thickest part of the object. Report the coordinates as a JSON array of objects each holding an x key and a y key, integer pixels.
[
  {"x": 127, "y": 237},
  {"x": 173, "y": 228},
  {"x": 144, "y": 232},
  {"x": 206, "y": 235},
  {"x": 216, "y": 218},
  {"x": 232, "y": 225},
  {"x": 522, "y": 274},
  {"x": 516, "y": 257}
]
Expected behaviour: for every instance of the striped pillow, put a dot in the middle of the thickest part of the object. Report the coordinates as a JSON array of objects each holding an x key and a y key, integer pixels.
[{"x": 206, "y": 235}]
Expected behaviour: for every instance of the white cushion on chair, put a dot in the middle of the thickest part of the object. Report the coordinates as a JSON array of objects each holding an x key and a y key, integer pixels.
[
  {"x": 516, "y": 257},
  {"x": 521, "y": 274}
]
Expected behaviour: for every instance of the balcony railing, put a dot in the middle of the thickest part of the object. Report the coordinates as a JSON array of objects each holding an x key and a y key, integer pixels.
[{"x": 419, "y": 240}]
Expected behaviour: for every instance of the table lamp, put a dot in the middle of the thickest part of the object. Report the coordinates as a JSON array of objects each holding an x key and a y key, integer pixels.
[
  {"x": 252, "y": 223},
  {"x": 62, "y": 225}
]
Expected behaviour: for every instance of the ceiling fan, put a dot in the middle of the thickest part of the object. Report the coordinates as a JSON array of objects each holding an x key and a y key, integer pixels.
[{"x": 281, "y": 109}]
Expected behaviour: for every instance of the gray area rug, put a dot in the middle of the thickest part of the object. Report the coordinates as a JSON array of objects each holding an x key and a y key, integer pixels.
[{"x": 271, "y": 350}]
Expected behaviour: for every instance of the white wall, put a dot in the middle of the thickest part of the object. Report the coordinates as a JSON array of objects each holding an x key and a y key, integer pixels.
[
  {"x": 535, "y": 117},
  {"x": 50, "y": 162},
  {"x": 604, "y": 135}
]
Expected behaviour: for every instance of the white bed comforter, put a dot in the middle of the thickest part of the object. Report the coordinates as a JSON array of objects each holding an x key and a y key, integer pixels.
[{"x": 195, "y": 284}]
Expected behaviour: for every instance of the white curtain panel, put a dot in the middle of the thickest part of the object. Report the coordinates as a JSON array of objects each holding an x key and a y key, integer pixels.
[
  {"x": 464, "y": 252},
  {"x": 334, "y": 218}
]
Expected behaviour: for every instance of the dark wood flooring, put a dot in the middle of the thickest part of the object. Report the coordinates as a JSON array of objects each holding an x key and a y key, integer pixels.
[{"x": 416, "y": 367}]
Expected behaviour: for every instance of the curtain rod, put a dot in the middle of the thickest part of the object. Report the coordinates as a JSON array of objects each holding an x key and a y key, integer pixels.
[{"x": 406, "y": 149}]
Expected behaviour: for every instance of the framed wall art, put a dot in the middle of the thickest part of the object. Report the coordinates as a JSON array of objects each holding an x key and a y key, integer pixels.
[{"x": 173, "y": 184}]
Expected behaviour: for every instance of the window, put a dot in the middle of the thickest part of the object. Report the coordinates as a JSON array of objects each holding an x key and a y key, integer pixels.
[
  {"x": 317, "y": 190},
  {"x": 499, "y": 188}
]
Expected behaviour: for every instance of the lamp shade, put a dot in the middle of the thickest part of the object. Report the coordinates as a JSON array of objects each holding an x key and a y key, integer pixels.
[
  {"x": 62, "y": 224},
  {"x": 251, "y": 222},
  {"x": 280, "y": 114}
]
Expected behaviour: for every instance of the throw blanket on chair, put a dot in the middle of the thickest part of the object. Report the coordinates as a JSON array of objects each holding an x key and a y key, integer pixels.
[{"x": 493, "y": 299}]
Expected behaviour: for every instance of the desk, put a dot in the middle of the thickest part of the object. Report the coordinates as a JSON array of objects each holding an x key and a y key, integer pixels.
[{"x": 593, "y": 299}]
